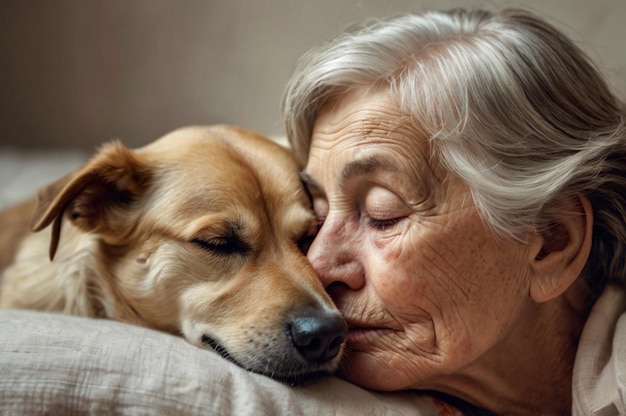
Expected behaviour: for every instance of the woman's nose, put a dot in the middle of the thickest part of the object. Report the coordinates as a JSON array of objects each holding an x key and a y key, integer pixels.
[{"x": 334, "y": 256}]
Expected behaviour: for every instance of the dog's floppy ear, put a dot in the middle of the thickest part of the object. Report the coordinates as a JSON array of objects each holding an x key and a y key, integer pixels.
[{"x": 113, "y": 178}]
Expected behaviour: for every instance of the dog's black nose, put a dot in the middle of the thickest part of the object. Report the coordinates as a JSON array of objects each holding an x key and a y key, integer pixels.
[{"x": 318, "y": 334}]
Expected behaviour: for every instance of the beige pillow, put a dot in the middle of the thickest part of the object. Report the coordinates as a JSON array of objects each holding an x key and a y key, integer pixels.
[{"x": 61, "y": 365}]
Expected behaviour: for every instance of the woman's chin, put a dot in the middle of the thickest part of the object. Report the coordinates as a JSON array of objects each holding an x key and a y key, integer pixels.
[{"x": 362, "y": 369}]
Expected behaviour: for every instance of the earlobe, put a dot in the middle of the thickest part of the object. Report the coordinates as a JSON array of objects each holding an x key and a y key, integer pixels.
[{"x": 560, "y": 255}]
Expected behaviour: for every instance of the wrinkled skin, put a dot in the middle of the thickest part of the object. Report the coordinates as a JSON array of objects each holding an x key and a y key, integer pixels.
[{"x": 433, "y": 298}]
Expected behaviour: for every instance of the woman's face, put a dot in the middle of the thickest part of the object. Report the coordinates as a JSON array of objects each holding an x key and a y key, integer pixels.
[{"x": 427, "y": 290}]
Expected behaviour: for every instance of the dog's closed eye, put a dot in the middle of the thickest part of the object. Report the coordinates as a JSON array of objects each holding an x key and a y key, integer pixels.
[{"x": 223, "y": 246}]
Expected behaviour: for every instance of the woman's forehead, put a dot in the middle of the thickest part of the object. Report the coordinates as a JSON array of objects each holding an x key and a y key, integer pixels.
[
  {"x": 367, "y": 124},
  {"x": 353, "y": 103}
]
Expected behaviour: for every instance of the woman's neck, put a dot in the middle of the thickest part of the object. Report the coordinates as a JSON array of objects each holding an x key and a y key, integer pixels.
[{"x": 530, "y": 371}]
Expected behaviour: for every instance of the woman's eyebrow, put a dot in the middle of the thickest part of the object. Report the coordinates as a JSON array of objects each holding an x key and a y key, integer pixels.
[
  {"x": 352, "y": 170},
  {"x": 365, "y": 167}
]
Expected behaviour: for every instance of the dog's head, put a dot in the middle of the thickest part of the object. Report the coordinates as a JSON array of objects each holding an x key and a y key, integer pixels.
[{"x": 198, "y": 233}]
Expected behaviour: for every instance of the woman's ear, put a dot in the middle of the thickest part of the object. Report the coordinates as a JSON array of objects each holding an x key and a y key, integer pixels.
[{"x": 560, "y": 255}]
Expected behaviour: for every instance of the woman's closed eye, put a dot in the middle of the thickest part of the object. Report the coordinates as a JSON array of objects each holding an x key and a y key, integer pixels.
[
  {"x": 307, "y": 239},
  {"x": 383, "y": 224},
  {"x": 383, "y": 209},
  {"x": 320, "y": 208}
]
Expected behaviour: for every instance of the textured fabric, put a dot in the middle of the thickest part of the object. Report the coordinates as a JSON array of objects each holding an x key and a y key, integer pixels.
[
  {"x": 63, "y": 365},
  {"x": 599, "y": 382}
]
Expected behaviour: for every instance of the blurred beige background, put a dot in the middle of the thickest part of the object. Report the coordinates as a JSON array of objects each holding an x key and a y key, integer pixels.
[{"x": 75, "y": 73}]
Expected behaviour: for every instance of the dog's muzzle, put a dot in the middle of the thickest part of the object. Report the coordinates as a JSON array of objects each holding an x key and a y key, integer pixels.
[{"x": 318, "y": 334}]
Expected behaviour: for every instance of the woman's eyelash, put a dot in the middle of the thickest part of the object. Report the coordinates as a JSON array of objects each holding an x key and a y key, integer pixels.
[{"x": 382, "y": 224}]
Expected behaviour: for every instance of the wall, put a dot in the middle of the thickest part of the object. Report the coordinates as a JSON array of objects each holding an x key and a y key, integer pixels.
[{"x": 76, "y": 72}]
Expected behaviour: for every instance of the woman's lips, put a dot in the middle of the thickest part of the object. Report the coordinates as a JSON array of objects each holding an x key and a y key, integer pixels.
[{"x": 360, "y": 333}]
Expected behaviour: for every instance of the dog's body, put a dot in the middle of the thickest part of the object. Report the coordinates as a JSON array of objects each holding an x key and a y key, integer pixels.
[{"x": 194, "y": 234}]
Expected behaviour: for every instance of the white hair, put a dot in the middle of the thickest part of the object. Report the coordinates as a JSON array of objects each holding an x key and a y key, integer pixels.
[{"x": 510, "y": 104}]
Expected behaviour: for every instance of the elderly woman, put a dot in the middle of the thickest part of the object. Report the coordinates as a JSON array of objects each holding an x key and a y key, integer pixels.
[{"x": 468, "y": 173}]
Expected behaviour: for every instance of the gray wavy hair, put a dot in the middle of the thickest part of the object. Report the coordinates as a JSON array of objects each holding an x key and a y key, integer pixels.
[{"x": 511, "y": 106}]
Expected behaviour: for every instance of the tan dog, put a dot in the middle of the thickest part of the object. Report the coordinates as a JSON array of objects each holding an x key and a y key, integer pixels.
[{"x": 194, "y": 234}]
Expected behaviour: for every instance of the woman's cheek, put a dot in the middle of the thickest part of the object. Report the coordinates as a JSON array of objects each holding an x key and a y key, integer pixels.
[
  {"x": 397, "y": 250},
  {"x": 390, "y": 244},
  {"x": 394, "y": 271}
]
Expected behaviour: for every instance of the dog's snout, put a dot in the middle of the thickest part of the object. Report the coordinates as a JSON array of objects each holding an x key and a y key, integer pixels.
[{"x": 318, "y": 335}]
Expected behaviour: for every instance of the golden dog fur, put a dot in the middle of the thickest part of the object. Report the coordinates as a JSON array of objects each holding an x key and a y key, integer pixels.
[{"x": 193, "y": 234}]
